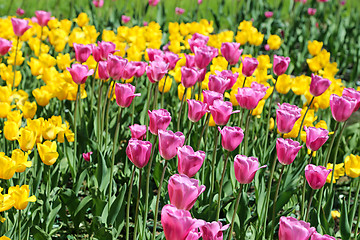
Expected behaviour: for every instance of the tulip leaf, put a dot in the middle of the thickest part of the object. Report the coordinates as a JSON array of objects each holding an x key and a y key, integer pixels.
[
  {"x": 39, "y": 233},
  {"x": 345, "y": 228},
  {"x": 117, "y": 205}
]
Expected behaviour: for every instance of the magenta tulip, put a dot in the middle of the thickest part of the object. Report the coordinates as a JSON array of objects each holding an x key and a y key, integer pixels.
[
  {"x": 154, "y": 52},
  {"x": 20, "y": 11},
  {"x": 125, "y": 93},
  {"x": 245, "y": 168},
  {"x": 43, "y": 17},
  {"x": 213, "y": 230},
  {"x": 217, "y": 84},
  {"x": 316, "y": 175},
  {"x": 259, "y": 87},
  {"x": 138, "y": 152},
  {"x": 287, "y": 150},
  {"x": 189, "y": 162},
  {"x": 231, "y": 137},
  {"x": 178, "y": 224},
  {"x": 318, "y": 236},
  {"x": 138, "y": 131},
  {"x": 141, "y": 68},
  {"x": 203, "y": 57},
  {"x": 197, "y": 40},
  {"x": 230, "y": 77},
  {"x": 248, "y": 66},
  {"x": 179, "y": 11},
  {"x": 98, "y": 3},
  {"x": 190, "y": 61},
  {"x": 125, "y": 19},
  {"x": 87, "y": 156},
  {"x": 156, "y": 70},
  {"x": 79, "y": 73},
  {"x": 202, "y": 73},
  {"x": 291, "y": 228},
  {"x": 115, "y": 66},
  {"x": 159, "y": 119},
  {"x": 189, "y": 76},
  {"x": 20, "y": 26},
  {"x": 315, "y": 137},
  {"x": 102, "y": 51},
  {"x": 82, "y": 52},
  {"x": 221, "y": 112},
  {"x": 196, "y": 110},
  {"x": 342, "y": 107},
  {"x": 311, "y": 11},
  {"x": 171, "y": 59},
  {"x": 268, "y": 14},
  {"x": 211, "y": 96},
  {"x": 249, "y": 98},
  {"x": 231, "y": 52},
  {"x": 352, "y": 93},
  {"x": 5, "y": 46},
  {"x": 129, "y": 70},
  {"x": 153, "y": 2},
  {"x": 183, "y": 191},
  {"x": 280, "y": 64},
  {"x": 169, "y": 142},
  {"x": 318, "y": 85},
  {"x": 102, "y": 70},
  {"x": 286, "y": 116}
]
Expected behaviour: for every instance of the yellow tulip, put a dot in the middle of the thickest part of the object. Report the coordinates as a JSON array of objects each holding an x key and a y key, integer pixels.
[
  {"x": 274, "y": 42},
  {"x": 4, "y": 237},
  {"x": 6, "y": 202},
  {"x": 259, "y": 108},
  {"x": 211, "y": 121},
  {"x": 63, "y": 61},
  {"x": 352, "y": 166},
  {"x": 4, "y": 109},
  {"x": 82, "y": 19},
  {"x": 36, "y": 126},
  {"x": 27, "y": 139},
  {"x": 49, "y": 130},
  {"x": 21, "y": 196},
  {"x": 11, "y": 130},
  {"x": 264, "y": 62},
  {"x": 335, "y": 214},
  {"x": 181, "y": 90},
  {"x": 339, "y": 171},
  {"x": 48, "y": 152},
  {"x": 314, "y": 64},
  {"x": 42, "y": 96},
  {"x": 29, "y": 109},
  {"x": 21, "y": 160},
  {"x": 271, "y": 124},
  {"x": 8, "y": 167},
  {"x": 314, "y": 47},
  {"x": 241, "y": 37},
  {"x": 167, "y": 87},
  {"x": 283, "y": 84}
]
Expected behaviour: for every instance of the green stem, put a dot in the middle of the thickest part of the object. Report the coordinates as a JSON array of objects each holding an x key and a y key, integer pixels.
[
  {"x": 158, "y": 199},
  {"x": 235, "y": 210},
  {"x": 221, "y": 185},
  {"x": 199, "y": 91},
  {"x": 213, "y": 164},
  {"x": 206, "y": 123},
  {"x": 150, "y": 88},
  {"x": 189, "y": 132},
  {"x": 268, "y": 117},
  {"x": 275, "y": 198},
  {"x": 357, "y": 224},
  {"x": 128, "y": 203},
  {"x": 75, "y": 121},
  {"x": 181, "y": 106},
  {"x": 19, "y": 224},
  {"x": 14, "y": 64},
  {"x": 99, "y": 113},
  {"x": 162, "y": 91},
  {"x": 247, "y": 132},
  {"x": 137, "y": 204},
  {"x": 107, "y": 112},
  {"x": 93, "y": 88},
  {"x": 309, "y": 204},
  {"x": 155, "y": 103},
  {"x": 304, "y": 190},
  {"x": 105, "y": 103},
  {"x": 133, "y": 104},
  {"x": 302, "y": 121},
  {"x": 352, "y": 214},
  {"x": 113, "y": 154}
]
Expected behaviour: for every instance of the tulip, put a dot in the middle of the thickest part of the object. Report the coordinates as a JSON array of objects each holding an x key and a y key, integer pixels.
[
  {"x": 197, "y": 40},
  {"x": 280, "y": 64},
  {"x": 27, "y": 139},
  {"x": 202, "y": 73},
  {"x": 141, "y": 68},
  {"x": 103, "y": 50},
  {"x": 183, "y": 191},
  {"x": 231, "y": 52},
  {"x": 286, "y": 116},
  {"x": 217, "y": 84},
  {"x": 229, "y": 76},
  {"x": 318, "y": 236},
  {"x": 154, "y": 52},
  {"x": 102, "y": 70},
  {"x": 213, "y": 230},
  {"x": 342, "y": 107},
  {"x": 138, "y": 131},
  {"x": 211, "y": 96},
  {"x": 259, "y": 87},
  {"x": 169, "y": 142},
  {"x": 156, "y": 70},
  {"x": 153, "y": 2},
  {"x": 190, "y": 60},
  {"x": 159, "y": 120},
  {"x": 87, "y": 156},
  {"x": 196, "y": 110},
  {"x": 248, "y": 66},
  {"x": 248, "y": 97},
  {"x": 318, "y": 85},
  {"x": 79, "y": 73},
  {"x": 221, "y": 112},
  {"x": 98, "y": 3},
  {"x": 115, "y": 66},
  {"x": 21, "y": 160},
  {"x": 43, "y": 17},
  {"x": 267, "y": 47},
  {"x": 231, "y": 137},
  {"x": 316, "y": 175},
  {"x": 268, "y": 14},
  {"x": 130, "y": 70},
  {"x": 291, "y": 228},
  {"x": 203, "y": 57},
  {"x": 20, "y": 11},
  {"x": 189, "y": 76},
  {"x": 287, "y": 150},
  {"x": 179, "y": 11},
  {"x": 20, "y": 26},
  {"x": 21, "y": 196},
  {"x": 352, "y": 93},
  {"x": 138, "y": 152},
  {"x": 48, "y": 152},
  {"x": 11, "y": 130},
  {"x": 315, "y": 137},
  {"x": 311, "y": 11},
  {"x": 178, "y": 224},
  {"x": 125, "y": 19},
  {"x": 82, "y": 52},
  {"x": 8, "y": 168},
  {"x": 5, "y": 46},
  {"x": 171, "y": 59},
  {"x": 189, "y": 162},
  {"x": 125, "y": 94},
  {"x": 245, "y": 168}
]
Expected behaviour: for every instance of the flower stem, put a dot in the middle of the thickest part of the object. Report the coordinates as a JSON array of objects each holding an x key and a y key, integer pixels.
[
  {"x": 357, "y": 224},
  {"x": 14, "y": 64},
  {"x": 356, "y": 201},
  {"x": 104, "y": 104},
  {"x": 302, "y": 121},
  {"x": 309, "y": 204},
  {"x": 304, "y": 190},
  {"x": 133, "y": 104},
  {"x": 150, "y": 88},
  {"x": 19, "y": 224},
  {"x": 137, "y": 204},
  {"x": 221, "y": 185},
  {"x": 156, "y": 90},
  {"x": 181, "y": 106},
  {"x": 93, "y": 88},
  {"x": 107, "y": 111},
  {"x": 268, "y": 116},
  {"x": 99, "y": 114},
  {"x": 213, "y": 164},
  {"x": 189, "y": 132},
  {"x": 128, "y": 203},
  {"x": 247, "y": 132},
  {"x": 158, "y": 199},
  {"x": 235, "y": 210},
  {"x": 75, "y": 120},
  {"x": 206, "y": 123},
  {"x": 162, "y": 91},
  {"x": 275, "y": 198}
]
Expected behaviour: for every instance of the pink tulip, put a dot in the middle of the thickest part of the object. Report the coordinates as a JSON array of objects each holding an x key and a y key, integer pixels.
[
  {"x": 98, "y": 3},
  {"x": 316, "y": 175},
  {"x": 221, "y": 112},
  {"x": 115, "y": 66},
  {"x": 196, "y": 110},
  {"x": 248, "y": 66},
  {"x": 153, "y": 2},
  {"x": 203, "y": 57},
  {"x": 280, "y": 65},
  {"x": 248, "y": 97},
  {"x": 202, "y": 73},
  {"x": 352, "y": 93},
  {"x": 213, "y": 230},
  {"x": 102, "y": 51},
  {"x": 268, "y": 14},
  {"x": 189, "y": 162},
  {"x": 178, "y": 224},
  {"x": 217, "y": 84},
  {"x": 315, "y": 137},
  {"x": 211, "y": 96},
  {"x": 5, "y": 46},
  {"x": 231, "y": 52},
  {"x": 145, "y": 23},
  {"x": 342, "y": 107},
  {"x": 291, "y": 228},
  {"x": 229, "y": 76},
  {"x": 286, "y": 116},
  {"x": 79, "y": 73},
  {"x": 245, "y": 168},
  {"x": 171, "y": 59},
  {"x": 183, "y": 191},
  {"x": 189, "y": 76},
  {"x": 287, "y": 150},
  {"x": 141, "y": 68},
  {"x": 231, "y": 137},
  {"x": 154, "y": 52},
  {"x": 259, "y": 87},
  {"x": 125, "y": 19},
  {"x": 125, "y": 93},
  {"x": 318, "y": 236},
  {"x": 169, "y": 142},
  {"x": 318, "y": 85},
  {"x": 322, "y": 0},
  {"x": 156, "y": 71},
  {"x": 159, "y": 119},
  {"x": 190, "y": 60},
  {"x": 20, "y": 11},
  {"x": 20, "y": 26},
  {"x": 130, "y": 70},
  {"x": 102, "y": 70},
  {"x": 138, "y": 152},
  {"x": 179, "y": 11},
  {"x": 343, "y": 3},
  {"x": 311, "y": 11},
  {"x": 43, "y": 17},
  {"x": 86, "y": 156},
  {"x": 82, "y": 52},
  {"x": 138, "y": 131},
  {"x": 197, "y": 40},
  {"x": 200, "y": 2}
]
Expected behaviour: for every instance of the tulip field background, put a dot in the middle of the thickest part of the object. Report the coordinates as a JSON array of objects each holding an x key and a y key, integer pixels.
[{"x": 122, "y": 121}]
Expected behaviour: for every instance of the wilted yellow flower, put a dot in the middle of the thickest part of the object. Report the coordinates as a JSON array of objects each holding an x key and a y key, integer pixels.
[
  {"x": 314, "y": 47},
  {"x": 21, "y": 160},
  {"x": 352, "y": 166},
  {"x": 335, "y": 214},
  {"x": 6, "y": 202},
  {"x": 82, "y": 19},
  {"x": 274, "y": 42},
  {"x": 181, "y": 90},
  {"x": 283, "y": 84},
  {"x": 339, "y": 171},
  {"x": 29, "y": 109},
  {"x": 27, "y": 139},
  {"x": 11, "y": 130},
  {"x": 4, "y": 109},
  {"x": 21, "y": 196},
  {"x": 8, "y": 167},
  {"x": 48, "y": 152}
]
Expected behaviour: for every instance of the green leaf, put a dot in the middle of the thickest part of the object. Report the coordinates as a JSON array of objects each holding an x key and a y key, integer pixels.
[
  {"x": 116, "y": 205},
  {"x": 345, "y": 229},
  {"x": 39, "y": 234}
]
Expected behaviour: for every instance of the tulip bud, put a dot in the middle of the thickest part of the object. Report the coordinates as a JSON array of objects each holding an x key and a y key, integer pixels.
[
  {"x": 287, "y": 150},
  {"x": 286, "y": 116},
  {"x": 159, "y": 119},
  {"x": 231, "y": 52},
  {"x": 315, "y": 137},
  {"x": 125, "y": 94},
  {"x": 291, "y": 228},
  {"x": 231, "y": 137},
  {"x": 248, "y": 66},
  {"x": 221, "y": 112},
  {"x": 342, "y": 107},
  {"x": 189, "y": 162},
  {"x": 280, "y": 64},
  {"x": 316, "y": 175},
  {"x": 169, "y": 142},
  {"x": 189, "y": 76},
  {"x": 43, "y": 17},
  {"x": 196, "y": 110},
  {"x": 138, "y": 131},
  {"x": 138, "y": 152},
  {"x": 245, "y": 168},
  {"x": 79, "y": 73},
  {"x": 318, "y": 85}
]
